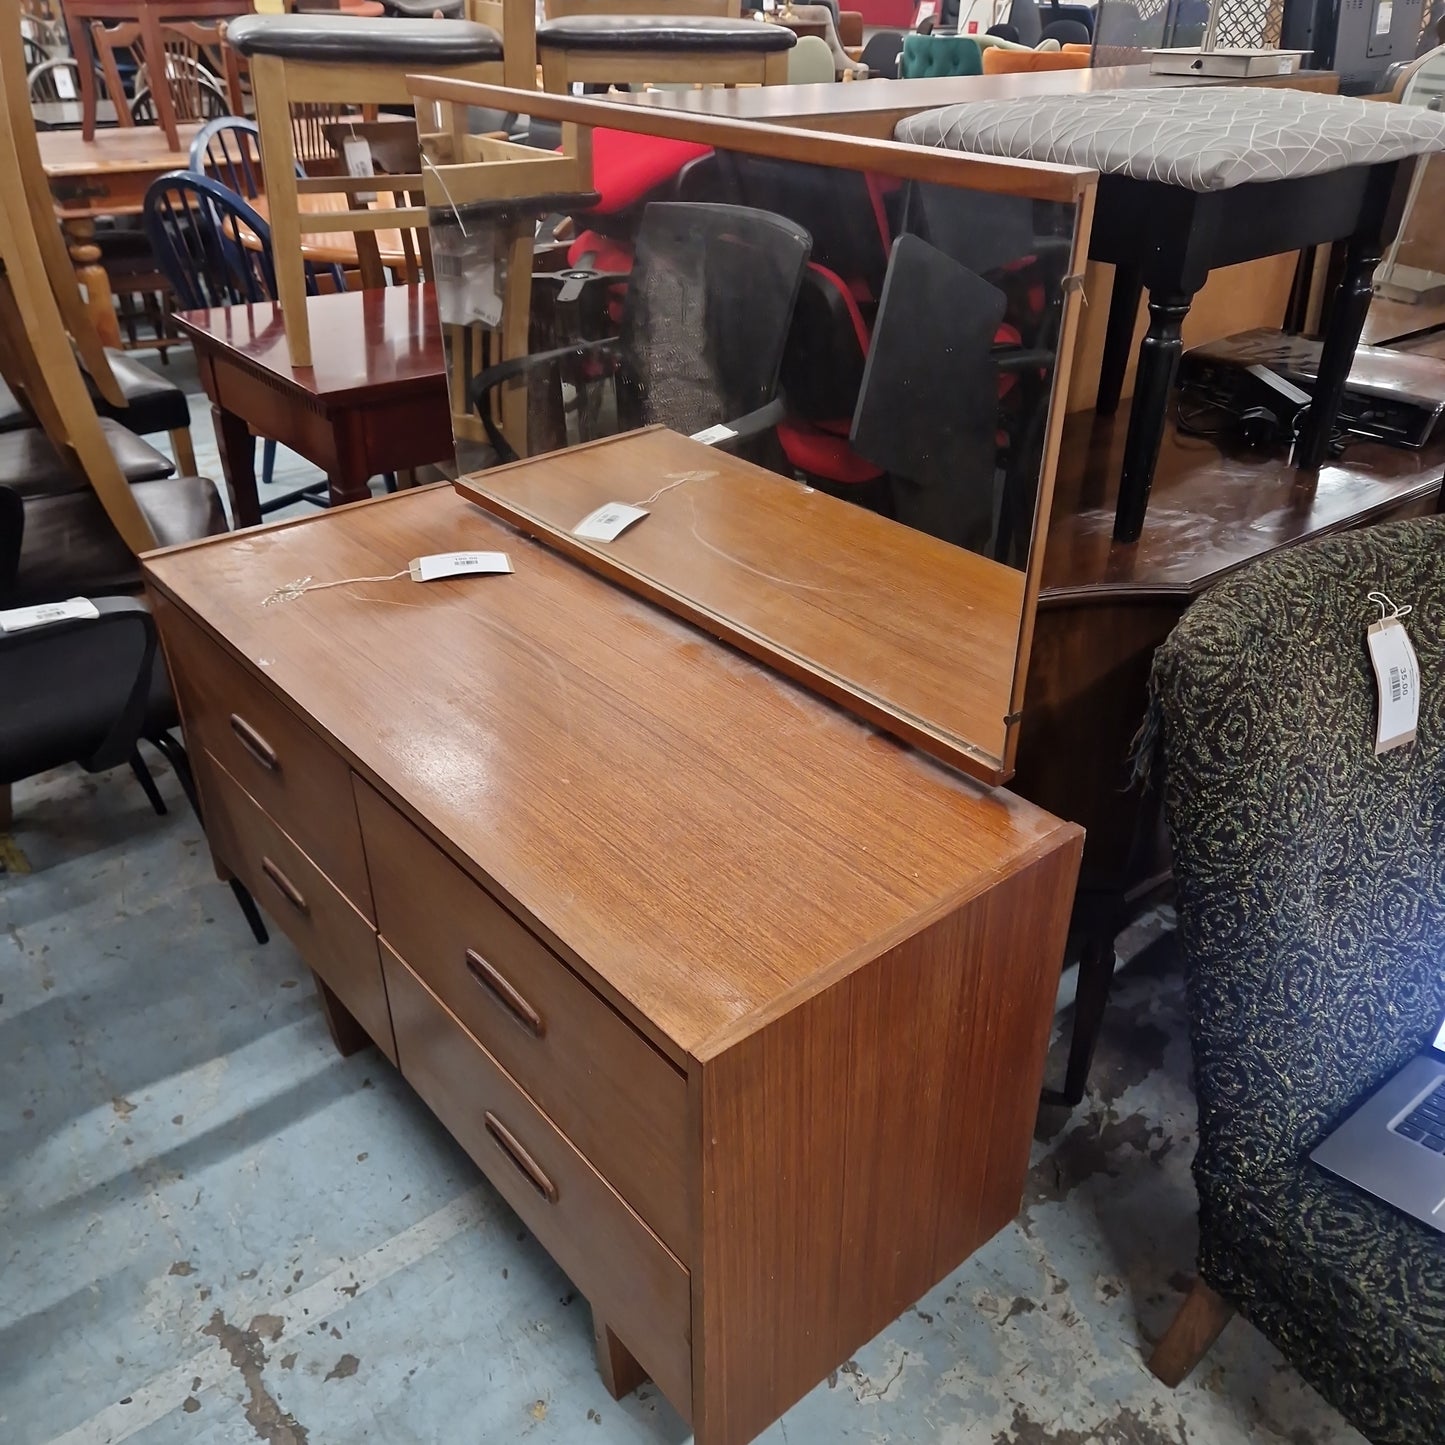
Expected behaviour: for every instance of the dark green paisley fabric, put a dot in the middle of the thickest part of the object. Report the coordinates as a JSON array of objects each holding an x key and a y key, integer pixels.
[{"x": 1311, "y": 894}]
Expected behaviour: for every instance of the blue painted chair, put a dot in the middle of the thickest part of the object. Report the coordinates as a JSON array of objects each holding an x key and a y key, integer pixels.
[{"x": 215, "y": 250}]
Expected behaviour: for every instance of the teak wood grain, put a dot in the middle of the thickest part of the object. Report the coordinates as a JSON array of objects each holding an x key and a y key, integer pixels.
[
  {"x": 563, "y": 1044},
  {"x": 334, "y": 939},
  {"x": 651, "y": 778},
  {"x": 847, "y": 954},
  {"x": 557, "y": 1193},
  {"x": 917, "y": 635},
  {"x": 272, "y": 754}
]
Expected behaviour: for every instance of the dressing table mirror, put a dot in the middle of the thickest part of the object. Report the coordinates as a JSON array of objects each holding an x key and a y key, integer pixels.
[{"x": 825, "y": 374}]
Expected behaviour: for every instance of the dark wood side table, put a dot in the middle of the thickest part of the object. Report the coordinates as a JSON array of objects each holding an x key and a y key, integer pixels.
[
  {"x": 1169, "y": 239},
  {"x": 374, "y": 401}
]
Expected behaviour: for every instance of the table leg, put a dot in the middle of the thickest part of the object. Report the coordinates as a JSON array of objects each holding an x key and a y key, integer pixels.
[
  {"x": 349, "y": 469},
  {"x": 1159, "y": 354},
  {"x": 238, "y": 465},
  {"x": 95, "y": 284},
  {"x": 1352, "y": 304},
  {"x": 1118, "y": 337},
  {"x": 621, "y": 1374},
  {"x": 341, "y": 1024}
]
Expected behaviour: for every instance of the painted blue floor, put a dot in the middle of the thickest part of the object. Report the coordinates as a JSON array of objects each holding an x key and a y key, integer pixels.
[{"x": 214, "y": 1231}]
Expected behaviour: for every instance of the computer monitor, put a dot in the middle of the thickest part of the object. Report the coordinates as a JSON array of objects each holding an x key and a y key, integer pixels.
[{"x": 1359, "y": 39}]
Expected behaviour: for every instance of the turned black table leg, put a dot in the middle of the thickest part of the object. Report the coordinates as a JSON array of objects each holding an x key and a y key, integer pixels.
[
  {"x": 1159, "y": 354},
  {"x": 1352, "y": 305},
  {"x": 1118, "y": 336}
]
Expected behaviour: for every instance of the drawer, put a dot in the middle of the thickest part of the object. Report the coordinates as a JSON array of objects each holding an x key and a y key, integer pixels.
[
  {"x": 627, "y": 1275},
  {"x": 332, "y": 937},
  {"x": 293, "y": 773},
  {"x": 614, "y": 1096}
]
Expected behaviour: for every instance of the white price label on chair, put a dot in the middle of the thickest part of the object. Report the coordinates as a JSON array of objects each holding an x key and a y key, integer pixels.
[
  {"x": 1397, "y": 679},
  {"x": 64, "y": 82},
  {"x": 356, "y": 152},
  {"x": 608, "y": 522},
  {"x": 77, "y": 609}
]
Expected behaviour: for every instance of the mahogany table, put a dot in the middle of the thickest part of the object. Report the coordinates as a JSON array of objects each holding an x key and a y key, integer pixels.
[{"x": 375, "y": 399}]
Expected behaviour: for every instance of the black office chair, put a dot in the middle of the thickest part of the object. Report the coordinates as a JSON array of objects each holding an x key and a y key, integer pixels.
[
  {"x": 90, "y": 691},
  {"x": 1068, "y": 32},
  {"x": 708, "y": 305},
  {"x": 950, "y": 404}
]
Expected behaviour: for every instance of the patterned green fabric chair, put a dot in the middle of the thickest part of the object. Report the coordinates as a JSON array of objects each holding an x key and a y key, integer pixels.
[{"x": 1311, "y": 896}]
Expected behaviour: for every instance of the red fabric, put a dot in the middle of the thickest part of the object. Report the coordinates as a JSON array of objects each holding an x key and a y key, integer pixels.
[
  {"x": 887, "y": 14},
  {"x": 607, "y": 253},
  {"x": 860, "y": 327},
  {"x": 626, "y": 166},
  {"x": 819, "y": 452}
]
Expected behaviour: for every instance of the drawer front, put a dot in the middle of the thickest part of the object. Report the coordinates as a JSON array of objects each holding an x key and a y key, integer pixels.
[
  {"x": 295, "y": 775},
  {"x": 332, "y": 937},
  {"x": 628, "y": 1277},
  {"x": 614, "y": 1096}
]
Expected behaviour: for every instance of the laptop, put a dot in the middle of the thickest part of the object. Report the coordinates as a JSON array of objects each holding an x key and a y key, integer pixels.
[{"x": 1393, "y": 1145}]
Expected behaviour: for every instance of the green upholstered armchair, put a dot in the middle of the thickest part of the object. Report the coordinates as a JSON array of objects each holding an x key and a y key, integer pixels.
[{"x": 1311, "y": 896}]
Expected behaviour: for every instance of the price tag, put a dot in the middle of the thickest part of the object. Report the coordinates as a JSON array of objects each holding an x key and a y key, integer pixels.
[
  {"x": 457, "y": 564},
  {"x": 711, "y": 436},
  {"x": 77, "y": 609},
  {"x": 608, "y": 522},
  {"x": 356, "y": 152},
  {"x": 64, "y": 79},
  {"x": 1397, "y": 680}
]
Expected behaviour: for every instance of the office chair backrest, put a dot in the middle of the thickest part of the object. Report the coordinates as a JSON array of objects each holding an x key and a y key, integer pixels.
[
  {"x": 228, "y": 150},
  {"x": 928, "y": 407},
  {"x": 1067, "y": 32},
  {"x": 709, "y": 303},
  {"x": 1024, "y": 16},
  {"x": 810, "y": 62},
  {"x": 199, "y": 230}
]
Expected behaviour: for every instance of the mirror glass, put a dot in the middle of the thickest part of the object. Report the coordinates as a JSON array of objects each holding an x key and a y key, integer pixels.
[{"x": 864, "y": 362}]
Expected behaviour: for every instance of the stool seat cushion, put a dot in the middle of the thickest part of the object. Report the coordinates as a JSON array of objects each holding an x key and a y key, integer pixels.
[
  {"x": 363, "y": 39},
  {"x": 1205, "y": 139},
  {"x": 663, "y": 33},
  {"x": 32, "y": 466}
]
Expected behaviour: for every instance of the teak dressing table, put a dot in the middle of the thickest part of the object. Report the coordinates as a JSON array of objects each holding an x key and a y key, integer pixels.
[{"x": 741, "y": 1004}]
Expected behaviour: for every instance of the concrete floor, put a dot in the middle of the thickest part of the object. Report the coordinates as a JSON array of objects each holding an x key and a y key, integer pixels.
[{"x": 213, "y": 1230}]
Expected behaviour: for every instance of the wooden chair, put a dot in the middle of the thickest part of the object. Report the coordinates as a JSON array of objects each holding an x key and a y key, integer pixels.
[
  {"x": 618, "y": 42},
  {"x": 29, "y": 192},
  {"x": 299, "y": 59},
  {"x": 183, "y": 69}
]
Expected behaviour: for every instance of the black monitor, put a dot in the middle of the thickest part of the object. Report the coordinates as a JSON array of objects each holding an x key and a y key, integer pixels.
[{"x": 1359, "y": 39}]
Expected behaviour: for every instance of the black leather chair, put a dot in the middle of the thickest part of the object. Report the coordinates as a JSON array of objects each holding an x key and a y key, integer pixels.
[
  {"x": 89, "y": 692},
  {"x": 153, "y": 404},
  {"x": 30, "y": 463}
]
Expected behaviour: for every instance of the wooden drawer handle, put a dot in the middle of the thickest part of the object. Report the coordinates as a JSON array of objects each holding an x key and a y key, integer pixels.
[
  {"x": 500, "y": 989},
  {"x": 509, "y": 1146},
  {"x": 255, "y": 744},
  {"x": 288, "y": 890}
]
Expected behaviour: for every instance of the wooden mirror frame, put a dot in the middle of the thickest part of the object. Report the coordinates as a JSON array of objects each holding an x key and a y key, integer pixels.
[{"x": 459, "y": 183}]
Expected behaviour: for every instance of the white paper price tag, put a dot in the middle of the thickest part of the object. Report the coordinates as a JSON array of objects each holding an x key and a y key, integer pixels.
[
  {"x": 1397, "y": 679},
  {"x": 457, "y": 564},
  {"x": 711, "y": 436},
  {"x": 77, "y": 609},
  {"x": 608, "y": 522},
  {"x": 356, "y": 152},
  {"x": 64, "y": 82}
]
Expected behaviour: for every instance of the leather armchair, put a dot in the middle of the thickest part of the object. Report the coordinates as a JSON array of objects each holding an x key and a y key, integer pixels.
[{"x": 1311, "y": 897}]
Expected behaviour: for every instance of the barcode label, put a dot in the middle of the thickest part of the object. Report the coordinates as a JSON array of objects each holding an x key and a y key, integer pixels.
[{"x": 1397, "y": 684}]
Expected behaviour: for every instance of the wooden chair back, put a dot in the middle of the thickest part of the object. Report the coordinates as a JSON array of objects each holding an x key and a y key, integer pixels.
[
  {"x": 280, "y": 85},
  {"x": 31, "y": 195},
  {"x": 38, "y": 364},
  {"x": 191, "y": 66}
]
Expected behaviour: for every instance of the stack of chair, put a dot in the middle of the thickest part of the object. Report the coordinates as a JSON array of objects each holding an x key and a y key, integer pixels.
[{"x": 79, "y": 499}]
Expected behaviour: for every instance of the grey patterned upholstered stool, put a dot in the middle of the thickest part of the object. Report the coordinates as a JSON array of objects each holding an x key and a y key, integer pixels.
[
  {"x": 1195, "y": 178},
  {"x": 616, "y": 48}
]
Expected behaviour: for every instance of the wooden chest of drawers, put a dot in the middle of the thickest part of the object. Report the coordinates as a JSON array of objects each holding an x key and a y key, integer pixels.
[{"x": 740, "y": 1005}]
